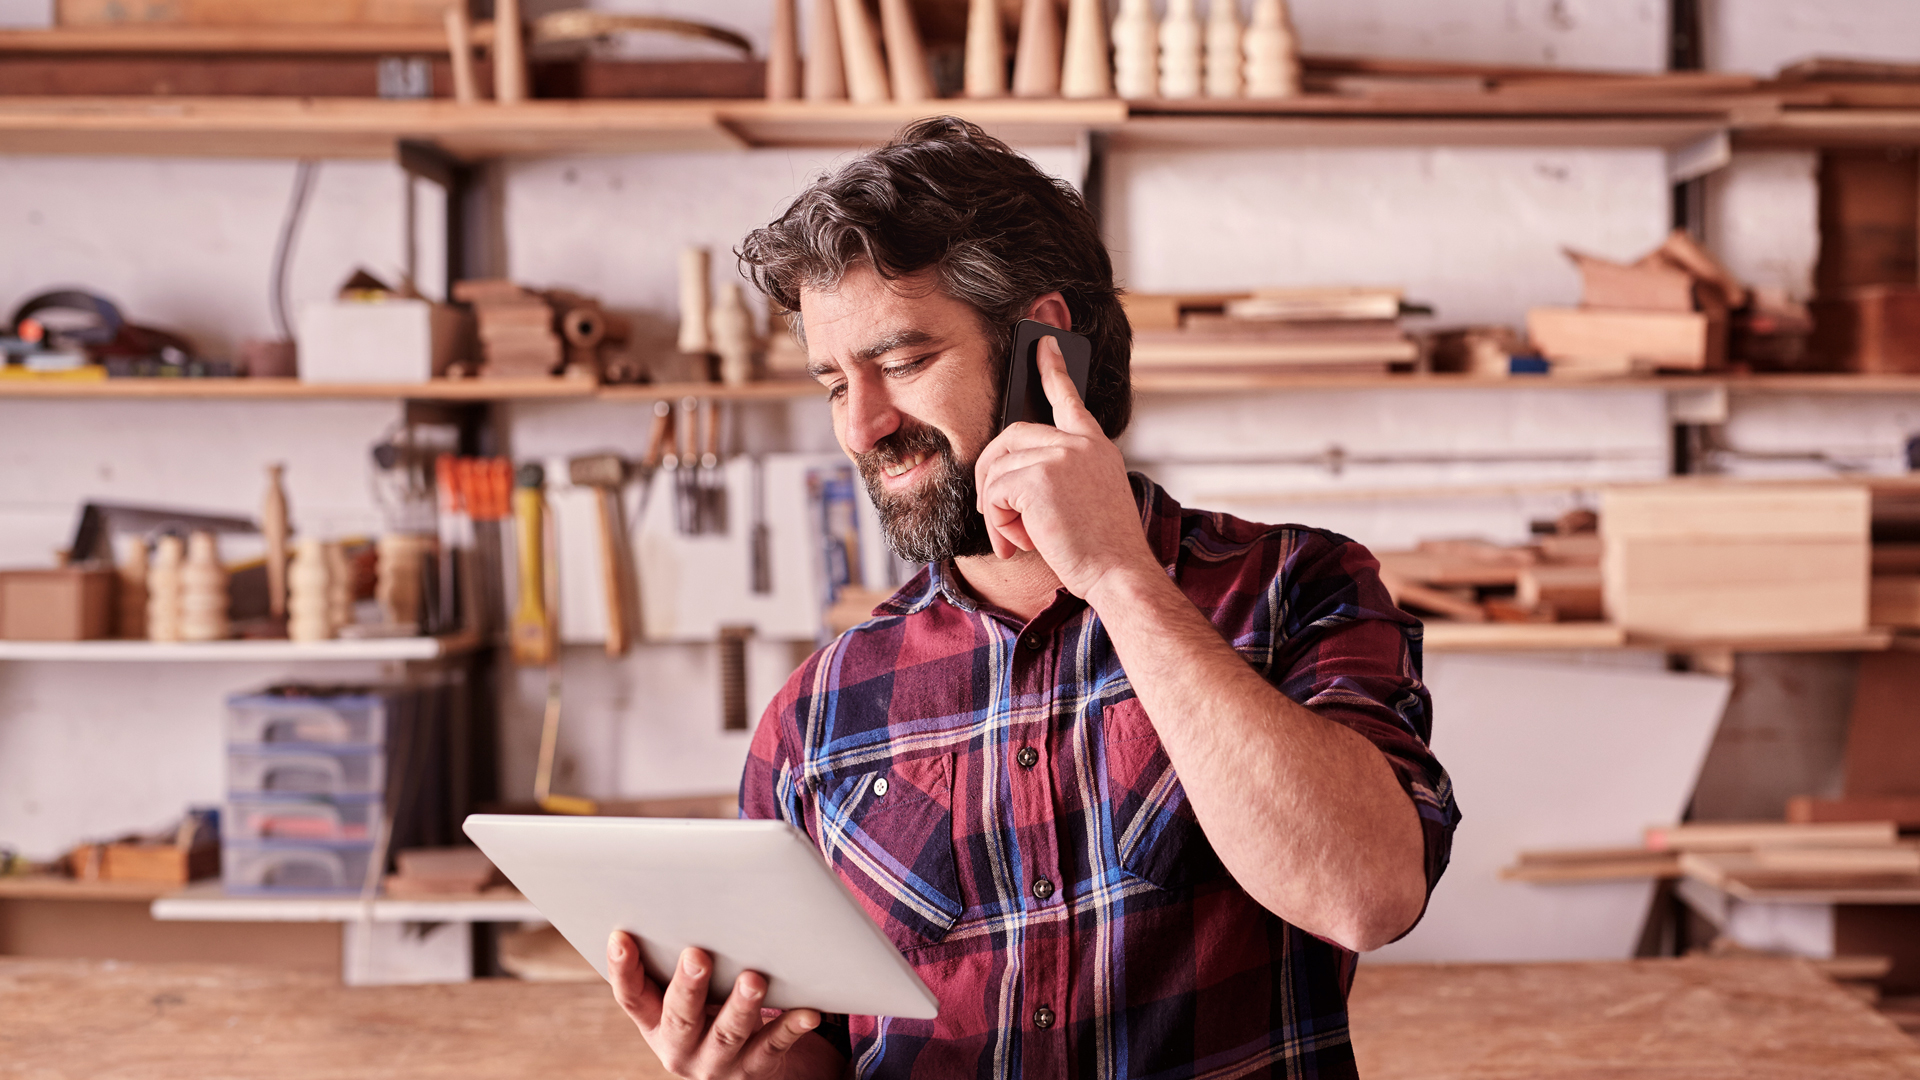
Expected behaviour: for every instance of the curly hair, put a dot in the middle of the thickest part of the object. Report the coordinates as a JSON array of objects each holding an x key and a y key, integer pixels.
[{"x": 995, "y": 232}]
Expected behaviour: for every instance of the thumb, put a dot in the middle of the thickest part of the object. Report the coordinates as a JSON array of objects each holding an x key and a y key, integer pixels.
[{"x": 1069, "y": 412}]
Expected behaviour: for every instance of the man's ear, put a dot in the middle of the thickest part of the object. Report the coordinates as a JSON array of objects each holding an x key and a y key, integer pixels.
[{"x": 1052, "y": 310}]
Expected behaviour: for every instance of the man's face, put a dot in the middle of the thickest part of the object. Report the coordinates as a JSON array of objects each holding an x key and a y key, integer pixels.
[{"x": 911, "y": 375}]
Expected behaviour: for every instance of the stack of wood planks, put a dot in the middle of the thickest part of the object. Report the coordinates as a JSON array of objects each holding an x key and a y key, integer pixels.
[
  {"x": 1557, "y": 578},
  {"x": 1668, "y": 310},
  {"x": 1351, "y": 330},
  {"x": 1714, "y": 559},
  {"x": 1747, "y": 859}
]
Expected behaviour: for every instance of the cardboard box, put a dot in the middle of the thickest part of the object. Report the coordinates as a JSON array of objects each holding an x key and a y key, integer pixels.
[
  {"x": 385, "y": 341},
  {"x": 1717, "y": 559},
  {"x": 63, "y": 604}
]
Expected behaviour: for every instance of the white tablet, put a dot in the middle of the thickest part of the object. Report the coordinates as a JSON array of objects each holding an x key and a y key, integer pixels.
[{"x": 754, "y": 894}]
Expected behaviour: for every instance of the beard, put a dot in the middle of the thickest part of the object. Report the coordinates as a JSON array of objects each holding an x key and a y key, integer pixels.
[{"x": 936, "y": 521}]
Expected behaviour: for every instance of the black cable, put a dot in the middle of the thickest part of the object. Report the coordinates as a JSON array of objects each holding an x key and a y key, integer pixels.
[{"x": 283, "y": 251}]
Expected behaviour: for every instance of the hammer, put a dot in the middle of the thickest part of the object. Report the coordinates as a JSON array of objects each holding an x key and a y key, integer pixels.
[{"x": 607, "y": 474}]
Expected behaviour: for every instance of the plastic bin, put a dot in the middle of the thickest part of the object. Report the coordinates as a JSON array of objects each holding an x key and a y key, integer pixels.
[
  {"x": 267, "y": 771},
  {"x": 294, "y": 868},
  {"x": 301, "y": 817},
  {"x": 355, "y": 719}
]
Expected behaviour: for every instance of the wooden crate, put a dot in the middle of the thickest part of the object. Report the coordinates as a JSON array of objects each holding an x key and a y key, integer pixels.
[
  {"x": 63, "y": 604},
  {"x": 1736, "y": 560}
]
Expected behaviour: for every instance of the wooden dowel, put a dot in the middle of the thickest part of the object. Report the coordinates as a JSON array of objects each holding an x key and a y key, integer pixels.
[
  {"x": 826, "y": 75},
  {"x": 509, "y": 54},
  {"x": 860, "y": 51},
  {"x": 783, "y": 54},
  {"x": 906, "y": 56},
  {"x": 986, "y": 51},
  {"x": 466, "y": 90}
]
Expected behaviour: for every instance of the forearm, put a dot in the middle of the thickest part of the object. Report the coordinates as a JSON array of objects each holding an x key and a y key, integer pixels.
[{"x": 1304, "y": 812}]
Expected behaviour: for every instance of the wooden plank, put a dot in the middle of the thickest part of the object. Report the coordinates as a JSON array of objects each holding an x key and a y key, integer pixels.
[
  {"x": 1522, "y": 637},
  {"x": 1745, "y": 835},
  {"x": 1698, "y": 1018},
  {"x": 48, "y": 887},
  {"x": 1739, "y": 874},
  {"x": 1621, "y": 340},
  {"x": 1903, "y": 811},
  {"x": 1591, "y": 864}
]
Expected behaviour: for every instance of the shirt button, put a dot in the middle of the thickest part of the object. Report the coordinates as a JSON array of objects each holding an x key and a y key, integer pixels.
[
  {"x": 1043, "y": 888},
  {"x": 1028, "y": 757},
  {"x": 1043, "y": 1017},
  {"x": 1032, "y": 642},
  {"x": 880, "y": 786}
]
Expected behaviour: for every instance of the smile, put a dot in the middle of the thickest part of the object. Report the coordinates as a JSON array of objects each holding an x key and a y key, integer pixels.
[{"x": 902, "y": 468}]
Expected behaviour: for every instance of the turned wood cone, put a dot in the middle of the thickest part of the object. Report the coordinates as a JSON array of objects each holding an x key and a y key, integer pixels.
[
  {"x": 1036, "y": 58},
  {"x": 1136, "y": 51},
  {"x": 1086, "y": 72},
  {"x": 1225, "y": 59},
  {"x": 986, "y": 51}
]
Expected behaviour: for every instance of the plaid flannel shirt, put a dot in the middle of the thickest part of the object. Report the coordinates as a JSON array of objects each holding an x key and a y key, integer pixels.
[{"x": 999, "y": 801}]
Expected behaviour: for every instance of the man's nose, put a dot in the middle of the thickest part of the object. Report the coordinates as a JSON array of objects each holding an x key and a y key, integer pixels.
[{"x": 870, "y": 414}]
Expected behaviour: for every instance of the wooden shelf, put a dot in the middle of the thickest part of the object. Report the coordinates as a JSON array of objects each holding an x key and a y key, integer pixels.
[
  {"x": 208, "y": 902},
  {"x": 1150, "y": 382},
  {"x": 174, "y": 652},
  {"x": 351, "y": 127},
  {"x": 48, "y": 887},
  {"x": 243, "y": 40}
]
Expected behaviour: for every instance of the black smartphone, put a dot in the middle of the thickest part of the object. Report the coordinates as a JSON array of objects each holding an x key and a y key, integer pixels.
[{"x": 1026, "y": 398}]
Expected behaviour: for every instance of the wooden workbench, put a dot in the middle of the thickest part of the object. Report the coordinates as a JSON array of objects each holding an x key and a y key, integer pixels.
[{"x": 1699, "y": 1019}]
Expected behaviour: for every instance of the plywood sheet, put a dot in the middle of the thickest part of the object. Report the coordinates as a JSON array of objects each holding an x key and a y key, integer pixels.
[{"x": 1544, "y": 755}]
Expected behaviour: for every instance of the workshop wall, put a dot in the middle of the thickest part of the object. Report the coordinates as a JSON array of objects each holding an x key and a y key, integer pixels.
[{"x": 188, "y": 244}]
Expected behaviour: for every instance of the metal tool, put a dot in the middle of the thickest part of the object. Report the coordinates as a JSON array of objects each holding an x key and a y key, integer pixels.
[
  {"x": 760, "y": 542},
  {"x": 686, "y": 480},
  {"x": 713, "y": 479}
]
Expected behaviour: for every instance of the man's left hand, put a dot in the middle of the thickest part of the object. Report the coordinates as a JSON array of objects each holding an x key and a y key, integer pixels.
[{"x": 1062, "y": 490}]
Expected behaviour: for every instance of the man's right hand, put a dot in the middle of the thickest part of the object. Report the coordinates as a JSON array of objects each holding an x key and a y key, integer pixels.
[{"x": 695, "y": 1042}]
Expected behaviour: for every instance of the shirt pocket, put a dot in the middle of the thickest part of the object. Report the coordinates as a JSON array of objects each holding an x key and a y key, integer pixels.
[
  {"x": 889, "y": 834},
  {"x": 1156, "y": 837}
]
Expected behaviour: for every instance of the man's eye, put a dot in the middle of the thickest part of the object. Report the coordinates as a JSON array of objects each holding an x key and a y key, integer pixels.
[
  {"x": 907, "y": 368},
  {"x": 836, "y": 391}
]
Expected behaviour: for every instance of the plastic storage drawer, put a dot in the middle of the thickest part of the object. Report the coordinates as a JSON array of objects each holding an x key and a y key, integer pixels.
[
  {"x": 307, "y": 771},
  {"x": 356, "y": 719},
  {"x": 294, "y": 868},
  {"x": 301, "y": 817}
]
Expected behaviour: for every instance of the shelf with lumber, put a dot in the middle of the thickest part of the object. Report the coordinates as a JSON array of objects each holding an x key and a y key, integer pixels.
[
  {"x": 208, "y": 901},
  {"x": 338, "y": 650}
]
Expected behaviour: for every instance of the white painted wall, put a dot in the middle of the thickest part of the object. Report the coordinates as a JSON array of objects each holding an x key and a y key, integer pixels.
[{"x": 1759, "y": 37}]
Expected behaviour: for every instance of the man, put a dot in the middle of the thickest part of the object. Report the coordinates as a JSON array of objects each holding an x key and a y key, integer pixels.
[{"x": 1129, "y": 785}]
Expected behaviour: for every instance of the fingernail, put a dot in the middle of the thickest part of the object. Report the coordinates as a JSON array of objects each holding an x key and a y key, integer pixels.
[
  {"x": 613, "y": 945},
  {"x": 752, "y": 992},
  {"x": 692, "y": 967},
  {"x": 808, "y": 1023}
]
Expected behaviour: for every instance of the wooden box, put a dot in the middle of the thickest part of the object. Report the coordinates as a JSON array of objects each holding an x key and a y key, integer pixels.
[
  {"x": 160, "y": 864},
  {"x": 1722, "y": 559},
  {"x": 1597, "y": 342},
  {"x": 65, "y": 604}
]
